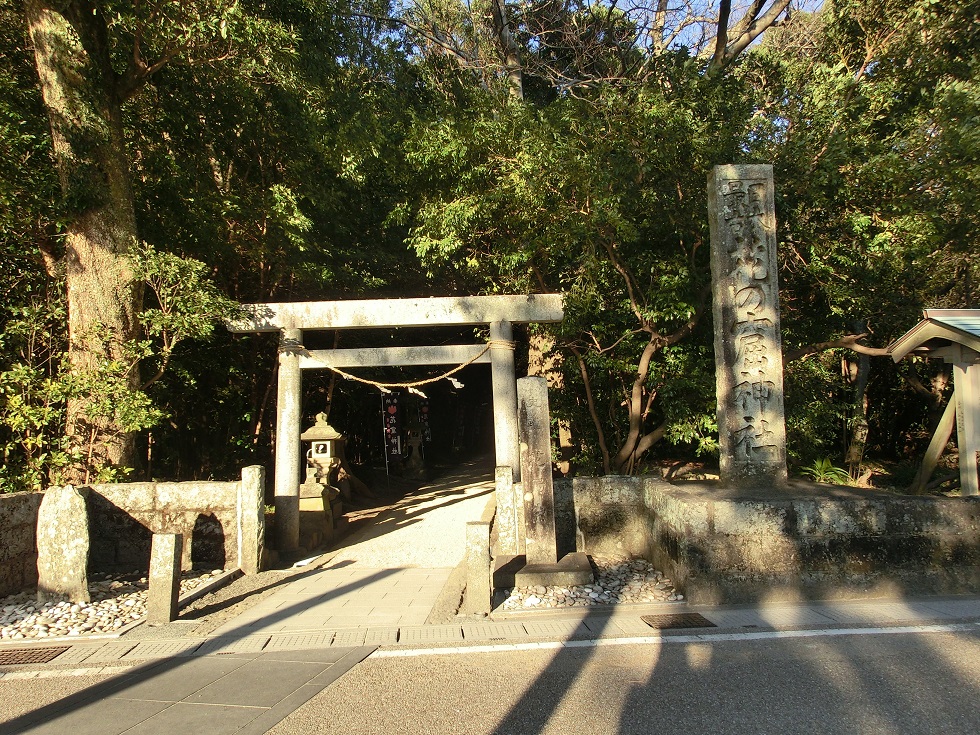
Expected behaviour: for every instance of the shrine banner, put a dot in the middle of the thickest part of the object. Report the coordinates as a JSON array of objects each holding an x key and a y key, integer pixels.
[
  {"x": 392, "y": 425},
  {"x": 425, "y": 430}
]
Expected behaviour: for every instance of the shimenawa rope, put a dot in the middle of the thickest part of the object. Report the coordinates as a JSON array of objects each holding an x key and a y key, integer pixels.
[{"x": 505, "y": 343}]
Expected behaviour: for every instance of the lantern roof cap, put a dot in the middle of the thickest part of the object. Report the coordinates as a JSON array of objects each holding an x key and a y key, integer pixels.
[{"x": 321, "y": 431}]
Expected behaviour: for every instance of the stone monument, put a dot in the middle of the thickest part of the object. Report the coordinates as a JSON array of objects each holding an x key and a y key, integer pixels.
[
  {"x": 62, "y": 545},
  {"x": 542, "y": 565},
  {"x": 748, "y": 351}
]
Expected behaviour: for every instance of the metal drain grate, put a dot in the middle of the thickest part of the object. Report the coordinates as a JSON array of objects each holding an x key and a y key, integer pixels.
[
  {"x": 677, "y": 620},
  {"x": 13, "y": 656}
]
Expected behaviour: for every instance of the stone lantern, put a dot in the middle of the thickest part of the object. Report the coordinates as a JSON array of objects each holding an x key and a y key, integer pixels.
[
  {"x": 326, "y": 450},
  {"x": 319, "y": 503}
]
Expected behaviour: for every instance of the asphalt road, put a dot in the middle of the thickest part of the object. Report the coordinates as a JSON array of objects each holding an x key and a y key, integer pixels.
[{"x": 891, "y": 683}]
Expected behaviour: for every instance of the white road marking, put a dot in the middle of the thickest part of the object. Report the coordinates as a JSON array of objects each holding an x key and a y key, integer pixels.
[{"x": 646, "y": 640}]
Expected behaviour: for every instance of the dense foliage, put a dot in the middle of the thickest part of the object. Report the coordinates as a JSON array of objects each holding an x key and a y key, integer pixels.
[{"x": 304, "y": 150}]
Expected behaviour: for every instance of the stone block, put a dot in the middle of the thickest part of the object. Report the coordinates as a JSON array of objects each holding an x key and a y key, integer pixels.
[
  {"x": 506, "y": 521},
  {"x": 814, "y": 543},
  {"x": 133, "y": 496},
  {"x": 28, "y": 574},
  {"x": 682, "y": 511},
  {"x": 534, "y": 427},
  {"x": 571, "y": 569},
  {"x": 209, "y": 539},
  {"x": 19, "y": 509},
  {"x": 164, "y": 592},
  {"x": 747, "y": 518},
  {"x": 10, "y": 578},
  {"x": 18, "y": 541},
  {"x": 251, "y": 531},
  {"x": 63, "y": 545},
  {"x": 476, "y": 598}
]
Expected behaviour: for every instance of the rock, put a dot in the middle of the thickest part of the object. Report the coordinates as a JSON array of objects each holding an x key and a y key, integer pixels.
[{"x": 62, "y": 545}]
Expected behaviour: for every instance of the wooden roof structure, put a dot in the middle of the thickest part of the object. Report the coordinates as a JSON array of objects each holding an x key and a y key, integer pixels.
[
  {"x": 954, "y": 336},
  {"x": 938, "y": 332}
]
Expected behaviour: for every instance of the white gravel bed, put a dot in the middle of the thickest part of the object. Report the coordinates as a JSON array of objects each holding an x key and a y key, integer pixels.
[
  {"x": 117, "y": 600},
  {"x": 620, "y": 581}
]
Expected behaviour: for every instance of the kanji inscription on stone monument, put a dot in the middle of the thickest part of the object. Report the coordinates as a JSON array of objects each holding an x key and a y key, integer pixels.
[{"x": 748, "y": 350}]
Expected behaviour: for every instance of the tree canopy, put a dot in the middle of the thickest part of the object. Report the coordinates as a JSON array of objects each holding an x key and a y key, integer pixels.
[{"x": 161, "y": 160}]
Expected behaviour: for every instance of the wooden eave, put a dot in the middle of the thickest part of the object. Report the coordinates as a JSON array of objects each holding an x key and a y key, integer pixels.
[{"x": 941, "y": 329}]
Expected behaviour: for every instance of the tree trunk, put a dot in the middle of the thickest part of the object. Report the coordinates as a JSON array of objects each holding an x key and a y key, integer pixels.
[
  {"x": 509, "y": 50},
  {"x": 79, "y": 89},
  {"x": 629, "y": 453}
]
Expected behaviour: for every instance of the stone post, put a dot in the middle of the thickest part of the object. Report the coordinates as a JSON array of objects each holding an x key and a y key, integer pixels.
[
  {"x": 62, "y": 545},
  {"x": 539, "y": 491},
  {"x": 476, "y": 599},
  {"x": 748, "y": 349},
  {"x": 966, "y": 380},
  {"x": 251, "y": 519},
  {"x": 504, "y": 376},
  {"x": 507, "y": 519},
  {"x": 288, "y": 416},
  {"x": 164, "y": 592}
]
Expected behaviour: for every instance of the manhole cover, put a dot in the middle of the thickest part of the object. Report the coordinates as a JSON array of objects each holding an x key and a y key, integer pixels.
[
  {"x": 677, "y": 620},
  {"x": 13, "y": 656}
]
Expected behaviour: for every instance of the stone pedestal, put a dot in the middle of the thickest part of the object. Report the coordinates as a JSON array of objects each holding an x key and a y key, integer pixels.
[
  {"x": 62, "y": 545},
  {"x": 515, "y": 571},
  {"x": 164, "y": 592},
  {"x": 748, "y": 350},
  {"x": 316, "y": 513}
]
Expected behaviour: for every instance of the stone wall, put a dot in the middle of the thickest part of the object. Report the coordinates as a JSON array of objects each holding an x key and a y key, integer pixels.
[
  {"x": 123, "y": 518},
  {"x": 807, "y": 541},
  {"x": 222, "y": 522},
  {"x": 18, "y": 541},
  {"x": 565, "y": 522},
  {"x": 611, "y": 515}
]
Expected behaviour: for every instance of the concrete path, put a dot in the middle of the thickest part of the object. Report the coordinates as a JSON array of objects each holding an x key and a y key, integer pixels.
[
  {"x": 238, "y": 693},
  {"x": 387, "y": 575},
  {"x": 250, "y": 682}
]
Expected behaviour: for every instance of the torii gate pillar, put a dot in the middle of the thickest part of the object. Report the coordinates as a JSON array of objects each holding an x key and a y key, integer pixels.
[
  {"x": 289, "y": 398},
  {"x": 504, "y": 382}
]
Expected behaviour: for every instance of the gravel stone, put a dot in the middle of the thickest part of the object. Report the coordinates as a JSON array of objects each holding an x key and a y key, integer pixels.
[
  {"x": 116, "y": 601},
  {"x": 620, "y": 581}
]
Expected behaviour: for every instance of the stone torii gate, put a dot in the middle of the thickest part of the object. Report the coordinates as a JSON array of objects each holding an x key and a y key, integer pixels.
[{"x": 292, "y": 319}]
